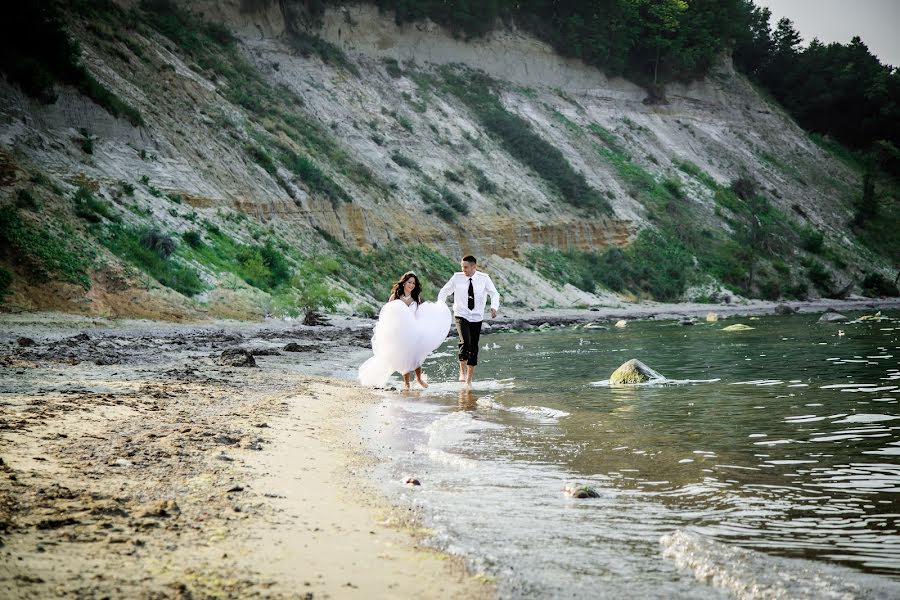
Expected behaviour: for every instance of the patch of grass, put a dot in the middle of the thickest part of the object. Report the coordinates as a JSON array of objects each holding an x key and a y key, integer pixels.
[
  {"x": 90, "y": 208},
  {"x": 49, "y": 251},
  {"x": 515, "y": 134},
  {"x": 261, "y": 157},
  {"x": 608, "y": 138},
  {"x": 696, "y": 172},
  {"x": 566, "y": 121},
  {"x": 314, "y": 178},
  {"x": 147, "y": 250}
]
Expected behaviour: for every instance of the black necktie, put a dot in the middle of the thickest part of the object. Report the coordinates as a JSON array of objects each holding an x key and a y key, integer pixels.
[{"x": 471, "y": 295}]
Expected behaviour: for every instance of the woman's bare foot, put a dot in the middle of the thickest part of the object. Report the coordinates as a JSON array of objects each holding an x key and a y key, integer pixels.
[{"x": 422, "y": 383}]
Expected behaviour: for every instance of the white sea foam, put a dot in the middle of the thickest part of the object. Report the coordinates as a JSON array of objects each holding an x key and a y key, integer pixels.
[
  {"x": 539, "y": 411},
  {"x": 751, "y": 575}
]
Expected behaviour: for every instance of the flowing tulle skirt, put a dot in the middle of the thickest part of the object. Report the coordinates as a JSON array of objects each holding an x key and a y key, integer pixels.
[{"x": 403, "y": 338}]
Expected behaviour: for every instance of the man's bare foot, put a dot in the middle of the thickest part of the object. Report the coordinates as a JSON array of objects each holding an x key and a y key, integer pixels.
[{"x": 462, "y": 376}]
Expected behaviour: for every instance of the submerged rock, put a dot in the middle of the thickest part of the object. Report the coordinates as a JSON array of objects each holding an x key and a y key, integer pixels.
[
  {"x": 621, "y": 323},
  {"x": 580, "y": 490},
  {"x": 784, "y": 309},
  {"x": 832, "y": 317},
  {"x": 633, "y": 371},
  {"x": 738, "y": 327}
]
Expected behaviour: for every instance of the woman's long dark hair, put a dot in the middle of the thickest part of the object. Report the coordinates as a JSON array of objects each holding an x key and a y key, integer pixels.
[{"x": 397, "y": 289}]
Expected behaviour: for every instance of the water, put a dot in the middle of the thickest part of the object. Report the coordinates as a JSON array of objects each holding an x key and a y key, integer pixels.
[{"x": 767, "y": 466}]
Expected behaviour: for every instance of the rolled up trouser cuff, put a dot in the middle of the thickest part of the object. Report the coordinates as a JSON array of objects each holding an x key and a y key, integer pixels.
[{"x": 469, "y": 335}]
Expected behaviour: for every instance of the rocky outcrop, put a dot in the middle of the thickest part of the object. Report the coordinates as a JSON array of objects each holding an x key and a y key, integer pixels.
[{"x": 832, "y": 317}]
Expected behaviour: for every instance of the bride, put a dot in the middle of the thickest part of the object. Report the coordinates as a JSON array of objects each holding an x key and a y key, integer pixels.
[{"x": 407, "y": 331}]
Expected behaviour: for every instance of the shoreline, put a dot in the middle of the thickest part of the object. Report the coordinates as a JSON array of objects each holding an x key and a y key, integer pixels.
[{"x": 135, "y": 465}]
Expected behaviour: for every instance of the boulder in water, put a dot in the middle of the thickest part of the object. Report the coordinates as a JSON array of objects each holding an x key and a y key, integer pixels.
[
  {"x": 579, "y": 490},
  {"x": 832, "y": 317},
  {"x": 621, "y": 323},
  {"x": 784, "y": 309},
  {"x": 633, "y": 371},
  {"x": 738, "y": 327},
  {"x": 712, "y": 317}
]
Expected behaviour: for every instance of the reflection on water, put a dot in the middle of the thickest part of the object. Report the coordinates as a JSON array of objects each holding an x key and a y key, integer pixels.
[{"x": 782, "y": 440}]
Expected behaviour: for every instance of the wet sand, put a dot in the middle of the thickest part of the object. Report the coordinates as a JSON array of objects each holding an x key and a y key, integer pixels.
[{"x": 135, "y": 465}]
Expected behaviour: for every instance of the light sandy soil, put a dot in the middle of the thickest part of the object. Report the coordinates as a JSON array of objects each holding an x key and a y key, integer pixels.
[{"x": 134, "y": 465}]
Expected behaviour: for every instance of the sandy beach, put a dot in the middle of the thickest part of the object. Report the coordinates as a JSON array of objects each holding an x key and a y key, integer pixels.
[{"x": 141, "y": 460}]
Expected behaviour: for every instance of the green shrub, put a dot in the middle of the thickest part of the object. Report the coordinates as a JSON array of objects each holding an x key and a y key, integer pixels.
[
  {"x": 6, "y": 278},
  {"x": 25, "y": 199},
  {"x": 92, "y": 209},
  {"x": 812, "y": 240},
  {"x": 820, "y": 277},
  {"x": 310, "y": 292},
  {"x": 454, "y": 176},
  {"x": 393, "y": 69},
  {"x": 87, "y": 142},
  {"x": 876, "y": 285},
  {"x": 405, "y": 162},
  {"x": 162, "y": 244},
  {"x": 192, "y": 238},
  {"x": 484, "y": 185},
  {"x": 454, "y": 201}
]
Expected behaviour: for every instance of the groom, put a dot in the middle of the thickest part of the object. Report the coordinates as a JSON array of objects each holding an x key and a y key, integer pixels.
[{"x": 469, "y": 289}]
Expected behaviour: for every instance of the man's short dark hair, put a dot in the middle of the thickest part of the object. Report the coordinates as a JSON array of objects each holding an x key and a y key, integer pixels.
[{"x": 469, "y": 259}]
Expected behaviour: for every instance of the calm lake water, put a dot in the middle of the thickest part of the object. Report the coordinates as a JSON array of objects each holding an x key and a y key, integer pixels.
[{"x": 769, "y": 466}]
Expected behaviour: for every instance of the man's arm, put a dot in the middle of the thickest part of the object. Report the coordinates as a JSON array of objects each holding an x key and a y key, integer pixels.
[
  {"x": 447, "y": 290},
  {"x": 495, "y": 296}
]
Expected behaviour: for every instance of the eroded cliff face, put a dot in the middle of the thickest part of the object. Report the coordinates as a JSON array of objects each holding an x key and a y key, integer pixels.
[{"x": 392, "y": 135}]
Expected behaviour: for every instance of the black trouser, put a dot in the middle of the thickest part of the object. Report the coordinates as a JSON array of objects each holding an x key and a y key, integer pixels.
[{"x": 469, "y": 334}]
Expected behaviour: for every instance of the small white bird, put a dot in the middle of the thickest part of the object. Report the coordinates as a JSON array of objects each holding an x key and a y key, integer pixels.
[{"x": 840, "y": 333}]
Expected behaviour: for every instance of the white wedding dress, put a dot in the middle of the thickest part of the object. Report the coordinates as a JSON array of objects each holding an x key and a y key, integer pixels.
[{"x": 403, "y": 337}]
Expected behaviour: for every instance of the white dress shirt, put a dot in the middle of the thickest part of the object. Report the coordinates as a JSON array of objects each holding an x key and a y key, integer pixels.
[{"x": 458, "y": 286}]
